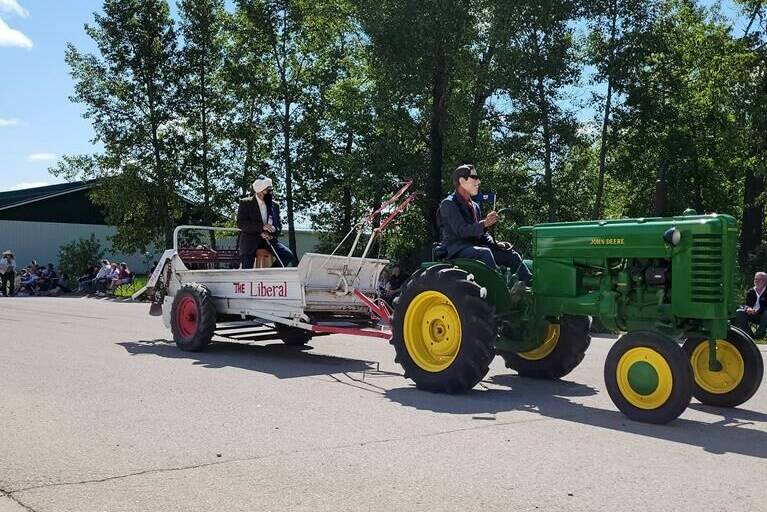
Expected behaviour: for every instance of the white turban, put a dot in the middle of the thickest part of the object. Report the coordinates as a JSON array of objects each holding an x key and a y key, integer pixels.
[{"x": 261, "y": 184}]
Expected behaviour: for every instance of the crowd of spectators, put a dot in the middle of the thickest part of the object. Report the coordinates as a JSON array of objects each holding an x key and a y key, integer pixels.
[
  {"x": 103, "y": 278},
  {"x": 35, "y": 279}
]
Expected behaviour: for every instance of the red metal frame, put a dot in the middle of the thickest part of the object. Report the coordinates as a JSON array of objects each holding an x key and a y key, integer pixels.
[{"x": 351, "y": 330}]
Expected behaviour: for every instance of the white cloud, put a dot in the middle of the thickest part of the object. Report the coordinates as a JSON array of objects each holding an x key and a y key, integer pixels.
[
  {"x": 13, "y": 7},
  {"x": 8, "y": 122},
  {"x": 27, "y": 184},
  {"x": 13, "y": 37},
  {"x": 37, "y": 157}
]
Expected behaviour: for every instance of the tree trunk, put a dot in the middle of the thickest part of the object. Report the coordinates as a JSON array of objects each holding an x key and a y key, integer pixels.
[
  {"x": 547, "y": 157},
  {"x": 482, "y": 91},
  {"x": 752, "y": 221},
  {"x": 598, "y": 207},
  {"x": 288, "y": 174},
  {"x": 436, "y": 138}
]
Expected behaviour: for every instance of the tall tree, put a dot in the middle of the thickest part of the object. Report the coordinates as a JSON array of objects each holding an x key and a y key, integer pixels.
[
  {"x": 128, "y": 90},
  {"x": 540, "y": 64},
  {"x": 202, "y": 102},
  {"x": 615, "y": 44},
  {"x": 417, "y": 45}
]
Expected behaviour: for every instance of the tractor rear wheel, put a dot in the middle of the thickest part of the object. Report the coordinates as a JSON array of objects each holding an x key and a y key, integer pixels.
[
  {"x": 193, "y": 317},
  {"x": 648, "y": 377},
  {"x": 563, "y": 348},
  {"x": 741, "y": 373},
  {"x": 443, "y": 330}
]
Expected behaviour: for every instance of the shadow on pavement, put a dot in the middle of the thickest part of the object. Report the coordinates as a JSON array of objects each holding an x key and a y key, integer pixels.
[
  {"x": 278, "y": 359},
  {"x": 552, "y": 399}
]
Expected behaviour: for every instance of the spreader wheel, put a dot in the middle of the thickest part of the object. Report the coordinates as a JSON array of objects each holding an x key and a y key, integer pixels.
[
  {"x": 443, "y": 331},
  {"x": 742, "y": 369},
  {"x": 648, "y": 377},
  {"x": 293, "y": 335},
  {"x": 193, "y": 317}
]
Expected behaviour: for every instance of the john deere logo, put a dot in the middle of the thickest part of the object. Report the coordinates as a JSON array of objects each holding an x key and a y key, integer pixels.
[{"x": 607, "y": 241}]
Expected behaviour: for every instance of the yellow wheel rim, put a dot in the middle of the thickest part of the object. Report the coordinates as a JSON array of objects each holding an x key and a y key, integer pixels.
[
  {"x": 725, "y": 380},
  {"x": 432, "y": 330},
  {"x": 644, "y": 378},
  {"x": 546, "y": 348}
]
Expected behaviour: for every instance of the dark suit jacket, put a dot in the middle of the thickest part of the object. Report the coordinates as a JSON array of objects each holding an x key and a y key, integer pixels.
[
  {"x": 457, "y": 227},
  {"x": 252, "y": 225},
  {"x": 751, "y": 300}
]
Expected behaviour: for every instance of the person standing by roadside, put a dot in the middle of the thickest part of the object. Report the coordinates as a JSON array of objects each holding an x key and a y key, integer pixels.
[{"x": 7, "y": 274}]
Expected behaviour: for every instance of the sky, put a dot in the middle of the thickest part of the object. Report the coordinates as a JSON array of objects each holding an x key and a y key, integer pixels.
[{"x": 38, "y": 123}]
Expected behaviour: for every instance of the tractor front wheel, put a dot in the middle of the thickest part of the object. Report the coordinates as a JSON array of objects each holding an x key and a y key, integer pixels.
[
  {"x": 193, "y": 317},
  {"x": 742, "y": 369},
  {"x": 562, "y": 349},
  {"x": 443, "y": 331},
  {"x": 648, "y": 377}
]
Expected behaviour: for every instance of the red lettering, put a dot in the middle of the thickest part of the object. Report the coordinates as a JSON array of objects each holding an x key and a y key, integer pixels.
[{"x": 239, "y": 287}]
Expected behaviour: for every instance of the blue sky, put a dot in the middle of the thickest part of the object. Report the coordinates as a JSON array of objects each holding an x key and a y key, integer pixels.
[{"x": 38, "y": 123}]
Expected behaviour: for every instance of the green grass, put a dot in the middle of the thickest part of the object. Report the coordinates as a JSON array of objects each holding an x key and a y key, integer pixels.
[{"x": 138, "y": 283}]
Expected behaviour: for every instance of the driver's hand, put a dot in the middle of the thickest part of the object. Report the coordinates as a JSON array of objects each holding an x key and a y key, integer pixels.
[
  {"x": 266, "y": 236},
  {"x": 749, "y": 311},
  {"x": 269, "y": 228},
  {"x": 491, "y": 219},
  {"x": 505, "y": 246}
]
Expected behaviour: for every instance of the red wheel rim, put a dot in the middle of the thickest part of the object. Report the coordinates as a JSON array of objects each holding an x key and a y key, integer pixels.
[{"x": 186, "y": 317}]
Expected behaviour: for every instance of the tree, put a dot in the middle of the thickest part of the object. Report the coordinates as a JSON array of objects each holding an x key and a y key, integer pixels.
[
  {"x": 615, "y": 43},
  {"x": 129, "y": 93},
  {"x": 540, "y": 63},
  {"x": 202, "y": 104}
]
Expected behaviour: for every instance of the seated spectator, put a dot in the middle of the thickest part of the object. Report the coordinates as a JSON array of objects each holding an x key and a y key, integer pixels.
[
  {"x": 394, "y": 285},
  {"x": 48, "y": 278},
  {"x": 112, "y": 276},
  {"x": 84, "y": 281},
  {"x": 29, "y": 280},
  {"x": 99, "y": 283},
  {"x": 124, "y": 276},
  {"x": 755, "y": 309}
]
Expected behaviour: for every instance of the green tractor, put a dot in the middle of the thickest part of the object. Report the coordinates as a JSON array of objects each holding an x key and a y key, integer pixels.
[{"x": 667, "y": 284}]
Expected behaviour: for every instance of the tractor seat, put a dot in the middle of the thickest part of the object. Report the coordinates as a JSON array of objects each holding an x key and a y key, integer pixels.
[{"x": 438, "y": 252}]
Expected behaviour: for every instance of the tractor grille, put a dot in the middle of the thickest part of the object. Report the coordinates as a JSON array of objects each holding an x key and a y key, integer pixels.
[{"x": 707, "y": 278}]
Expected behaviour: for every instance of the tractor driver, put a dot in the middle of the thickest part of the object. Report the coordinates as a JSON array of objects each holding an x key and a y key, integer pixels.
[
  {"x": 259, "y": 221},
  {"x": 464, "y": 234}
]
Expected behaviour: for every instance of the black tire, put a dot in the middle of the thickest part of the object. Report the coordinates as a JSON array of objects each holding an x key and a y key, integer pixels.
[
  {"x": 574, "y": 339},
  {"x": 471, "y": 360},
  {"x": 752, "y": 370},
  {"x": 293, "y": 336},
  {"x": 652, "y": 405},
  {"x": 193, "y": 317}
]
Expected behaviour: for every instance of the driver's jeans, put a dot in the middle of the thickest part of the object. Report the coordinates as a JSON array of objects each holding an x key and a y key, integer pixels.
[{"x": 494, "y": 257}]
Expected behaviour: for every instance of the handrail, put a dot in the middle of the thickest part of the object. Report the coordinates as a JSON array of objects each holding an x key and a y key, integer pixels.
[{"x": 189, "y": 226}]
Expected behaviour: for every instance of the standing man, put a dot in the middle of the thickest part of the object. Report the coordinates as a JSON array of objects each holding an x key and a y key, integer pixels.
[
  {"x": 464, "y": 234},
  {"x": 259, "y": 221},
  {"x": 755, "y": 310},
  {"x": 7, "y": 274}
]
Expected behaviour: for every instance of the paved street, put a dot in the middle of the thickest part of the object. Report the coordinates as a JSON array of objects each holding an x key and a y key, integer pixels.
[{"x": 98, "y": 412}]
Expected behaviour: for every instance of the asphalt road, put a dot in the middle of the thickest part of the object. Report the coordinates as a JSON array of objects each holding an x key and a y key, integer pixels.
[{"x": 99, "y": 413}]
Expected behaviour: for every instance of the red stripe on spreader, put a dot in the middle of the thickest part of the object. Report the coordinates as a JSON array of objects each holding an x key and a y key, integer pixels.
[{"x": 350, "y": 330}]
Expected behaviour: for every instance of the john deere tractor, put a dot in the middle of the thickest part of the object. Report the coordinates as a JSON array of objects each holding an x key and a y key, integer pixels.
[{"x": 666, "y": 284}]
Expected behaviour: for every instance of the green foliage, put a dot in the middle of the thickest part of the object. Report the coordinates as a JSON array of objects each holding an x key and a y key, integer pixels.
[
  {"x": 77, "y": 256},
  {"x": 340, "y": 100}
]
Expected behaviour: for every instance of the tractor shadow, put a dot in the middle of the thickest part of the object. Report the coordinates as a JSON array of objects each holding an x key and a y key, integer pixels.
[
  {"x": 278, "y": 359},
  {"x": 553, "y": 399}
]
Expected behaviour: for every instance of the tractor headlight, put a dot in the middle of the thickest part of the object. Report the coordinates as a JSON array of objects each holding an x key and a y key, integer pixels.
[{"x": 672, "y": 236}]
